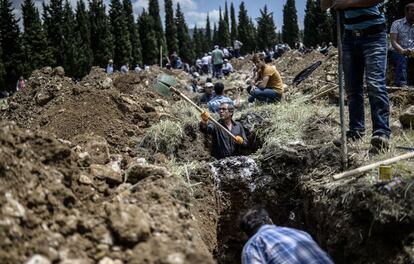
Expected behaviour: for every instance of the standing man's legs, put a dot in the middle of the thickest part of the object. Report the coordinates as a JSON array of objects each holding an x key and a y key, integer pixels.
[
  {"x": 400, "y": 65},
  {"x": 353, "y": 66},
  {"x": 375, "y": 56}
]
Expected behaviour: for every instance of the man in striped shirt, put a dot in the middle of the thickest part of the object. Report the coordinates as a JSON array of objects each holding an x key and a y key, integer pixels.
[
  {"x": 365, "y": 51},
  {"x": 272, "y": 244}
]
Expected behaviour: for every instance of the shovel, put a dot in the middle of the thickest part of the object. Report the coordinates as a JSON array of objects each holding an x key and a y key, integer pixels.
[{"x": 164, "y": 85}]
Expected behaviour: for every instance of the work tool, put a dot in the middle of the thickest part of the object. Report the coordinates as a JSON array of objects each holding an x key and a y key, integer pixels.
[
  {"x": 165, "y": 86},
  {"x": 341, "y": 92}
]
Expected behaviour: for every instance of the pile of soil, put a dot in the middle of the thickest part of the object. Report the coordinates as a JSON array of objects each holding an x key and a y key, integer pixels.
[{"x": 56, "y": 207}]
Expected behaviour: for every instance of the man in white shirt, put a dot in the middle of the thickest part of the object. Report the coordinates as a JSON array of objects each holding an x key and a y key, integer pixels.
[{"x": 227, "y": 68}]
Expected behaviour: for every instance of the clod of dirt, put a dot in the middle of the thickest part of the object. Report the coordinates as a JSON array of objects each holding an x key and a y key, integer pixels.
[
  {"x": 98, "y": 149},
  {"x": 138, "y": 170},
  {"x": 105, "y": 172},
  {"x": 407, "y": 117}
]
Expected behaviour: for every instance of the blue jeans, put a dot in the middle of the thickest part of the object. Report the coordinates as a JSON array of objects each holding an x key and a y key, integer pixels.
[
  {"x": 369, "y": 54},
  {"x": 267, "y": 95},
  {"x": 400, "y": 65},
  {"x": 217, "y": 70}
]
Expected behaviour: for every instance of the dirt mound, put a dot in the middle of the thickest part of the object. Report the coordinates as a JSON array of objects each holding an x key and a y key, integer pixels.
[
  {"x": 55, "y": 206},
  {"x": 118, "y": 107}
]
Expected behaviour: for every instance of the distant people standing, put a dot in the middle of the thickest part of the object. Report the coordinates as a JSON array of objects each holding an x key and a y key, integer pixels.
[
  {"x": 125, "y": 68},
  {"x": 217, "y": 57},
  {"x": 174, "y": 60},
  {"x": 137, "y": 69},
  {"x": 110, "y": 67},
  {"x": 204, "y": 64},
  {"x": 237, "y": 46},
  {"x": 402, "y": 40},
  {"x": 21, "y": 83}
]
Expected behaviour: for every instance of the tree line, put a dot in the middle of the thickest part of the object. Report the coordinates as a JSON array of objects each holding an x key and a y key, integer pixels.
[{"x": 77, "y": 39}]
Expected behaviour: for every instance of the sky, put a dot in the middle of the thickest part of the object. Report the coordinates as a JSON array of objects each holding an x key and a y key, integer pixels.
[{"x": 195, "y": 11}]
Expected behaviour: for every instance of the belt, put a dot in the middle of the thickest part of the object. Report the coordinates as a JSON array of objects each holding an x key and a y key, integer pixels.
[{"x": 372, "y": 30}]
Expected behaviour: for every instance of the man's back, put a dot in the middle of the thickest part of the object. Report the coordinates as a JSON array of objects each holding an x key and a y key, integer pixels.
[
  {"x": 217, "y": 56},
  {"x": 273, "y": 244}
]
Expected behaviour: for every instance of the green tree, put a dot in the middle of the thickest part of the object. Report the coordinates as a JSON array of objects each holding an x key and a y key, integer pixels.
[
  {"x": 215, "y": 36},
  {"x": 34, "y": 41},
  {"x": 100, "y": 33},
  {"x": 122, "y": 43},
  {"x": 226, "y": 14},
  {"x": 290, "y": 29},
  {"x": 324, "y": 24},
  {"x": 10, "y": 44},
  {"x": 186, "y": 51},
  {"x": 53, "y": 21},
  {"x": 266, "y": 30},
  {"x": 208, "y": 36},
  {"x": 154, "y": 12},
  {"x": 309, "y": 23},
  {"x": 134, "y": 39},
  {"x": 198, "y": 41},
  {"x": 2, "y": 72},
  {"x": 170, "y": 28},
  {"x": 233, "y": 34},
  {"x": 148, "y": 39},
  {"x": 223, "y": 32},
  {"x": 245, "y": 30},
  {"x": 83, "y": 35},
  {"x": 70, "y": 41}
]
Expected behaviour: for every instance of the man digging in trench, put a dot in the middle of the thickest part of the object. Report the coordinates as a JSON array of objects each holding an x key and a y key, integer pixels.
[{"x": 223, "y": 144}]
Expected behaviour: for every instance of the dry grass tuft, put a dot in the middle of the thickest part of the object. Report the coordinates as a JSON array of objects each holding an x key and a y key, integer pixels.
[{"x": 164, "y": 137}]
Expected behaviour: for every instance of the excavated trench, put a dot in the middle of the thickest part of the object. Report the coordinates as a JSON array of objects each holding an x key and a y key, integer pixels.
[{"x": 353, "y": 223}]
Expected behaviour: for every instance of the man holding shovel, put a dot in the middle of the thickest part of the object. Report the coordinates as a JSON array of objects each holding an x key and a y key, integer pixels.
[
  {"x": 365, "y": 50},
  {"x": 223, "y": 144}
]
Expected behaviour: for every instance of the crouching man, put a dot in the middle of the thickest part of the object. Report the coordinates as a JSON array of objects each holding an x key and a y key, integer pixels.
[
  {"x": 273, "y": 244},
  {"x": 223, "y": 144}
]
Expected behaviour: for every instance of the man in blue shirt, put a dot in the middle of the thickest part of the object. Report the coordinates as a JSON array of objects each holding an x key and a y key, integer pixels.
[
  {"x": 365, "y": 50},
  {"x": 219, "y": 98},
  {"x": 272, "y": 244}
]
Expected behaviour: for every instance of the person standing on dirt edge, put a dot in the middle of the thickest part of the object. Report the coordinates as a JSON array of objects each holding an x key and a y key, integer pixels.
[
  {"x": 110, "y": 67},
  {"x": 402, "y": 40},
  {"x": 365, "y": 49},
  {"x": 273, "y": 244},
  {"x": 217, "y": 56},
  {"x": 223, "y": 144}
]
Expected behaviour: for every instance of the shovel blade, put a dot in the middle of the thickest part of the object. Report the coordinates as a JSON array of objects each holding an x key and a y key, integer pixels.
[{"x": 163, "y": 83}]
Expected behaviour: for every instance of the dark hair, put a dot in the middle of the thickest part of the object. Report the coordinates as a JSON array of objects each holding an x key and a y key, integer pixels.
[
  {"x": 218, "y": 88},
  {"x": 257, "y": 58},
  {"x": 230, "y": 107},
  {"x": 408, "y": 6},
  {"x": 253, "y": 219},
  {"x": 209, "y": 80}
]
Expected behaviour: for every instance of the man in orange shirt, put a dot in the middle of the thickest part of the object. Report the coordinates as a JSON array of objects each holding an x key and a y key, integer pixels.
[{"x": 268, "y": 86}]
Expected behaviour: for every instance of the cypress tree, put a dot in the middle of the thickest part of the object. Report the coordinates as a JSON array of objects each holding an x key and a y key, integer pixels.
[
  {"x": 100, "y": 33},
  {"x": 208, "y": 37},
  {"x": 223, "y": 32},
  {"x": 170, "y": 28},
  {"x": 70, "y": 42},
  {"x": 148, "y": 39},
  {"x": 245, "y": 30},
  {"x": 323, "y": 24},
  {"x": 35, "y": 45},
  {"x": 233, "y": 34},
  {"x": 290, "y": 29},
  {"x": 134, "y": 39},
  {"x": 53, "y": 21},
  {"x": 2, "y": 72},
  {"x": 83, "y": 34},
  {"x": 154, "y": 12},
  {"x": 122, "y": 43},
  {"x": 198, "y": 41},
  {"x": 10, "y": 44},
  {"x": 309, "y": 22},
  {"x": 215, "y": 36},
  {"x": 226, "y": 14},
  {"x": 266, "y": 30},
  {"x": 253, "y": 31},
  {"x": 184, "y": 41}
]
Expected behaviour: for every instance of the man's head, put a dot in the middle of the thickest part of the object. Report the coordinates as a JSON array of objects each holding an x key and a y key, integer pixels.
[
  {"x": 219, "y": 88},
  {"x": 110, "y": 61},
  {"x": 258, "y": 61},
  {"x": 226, "y": 111},
  {"x": 208, "y": 88},
  {"x": 253, "y": 219},
  {"x": 226, "y": 61},
  {"x": 216, "y": 47},
  {"x": 409, "y": 12}
]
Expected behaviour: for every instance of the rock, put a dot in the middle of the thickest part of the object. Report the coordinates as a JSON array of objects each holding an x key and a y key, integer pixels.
[
  {"x": 38, "y": 259},
  {"x": 330, "y": 78},
  {"x": 176, "y": 258},
  {"x": 128, "y": 222},
  {"x": 107, "y": 260},
  {"x": 106, "y": 83},
  {"x": 139, "y": 170},
  {"x": 13, "y": 208},
  {"x": 85, "y": 179},
  {"x": 98, "y": 149},
  {"x": 407, "y": 117},
  {"x": 47, "y": 70},
  {"x": 43, "y": 97},
  {"x": 116, "y": 161},
  {"x": 106, "y": 172},
  {"x": 59, "y": 71},
  {"x": 396, "y": 127}
]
